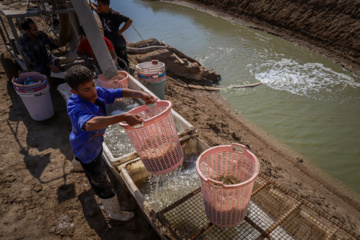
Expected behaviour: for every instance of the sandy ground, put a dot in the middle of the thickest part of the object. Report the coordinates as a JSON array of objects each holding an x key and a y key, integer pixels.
[{"x": 42, "y": 199}]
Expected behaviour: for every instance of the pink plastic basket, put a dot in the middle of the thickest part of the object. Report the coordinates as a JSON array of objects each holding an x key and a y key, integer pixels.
[
  {"x": 119, "y": 81},
  {"x": 156, "y": 140},
  {"x": 226, "y": 204},
  {"x": 39, "y": 80}
]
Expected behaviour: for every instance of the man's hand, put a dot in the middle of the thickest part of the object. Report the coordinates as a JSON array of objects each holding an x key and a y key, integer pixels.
[
  {"x": 132, "y": 119},
  {"x": 147, "y": 98},
  {"x": 94, "y": 7},
  {"x": 126, "y": 26},
  {"x": 55, "y": 69}
]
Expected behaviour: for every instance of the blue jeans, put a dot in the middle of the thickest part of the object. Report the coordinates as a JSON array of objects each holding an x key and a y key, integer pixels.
[{"x": 98, "y": 178}]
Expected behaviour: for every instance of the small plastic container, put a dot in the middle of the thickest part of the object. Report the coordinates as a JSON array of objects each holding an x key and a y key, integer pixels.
[
  {"x": 119, "y": 81},
  {"x": 227, "y": 175},
  {"x": 156, "y": 140},
  {"x": 153, "y": 75}
]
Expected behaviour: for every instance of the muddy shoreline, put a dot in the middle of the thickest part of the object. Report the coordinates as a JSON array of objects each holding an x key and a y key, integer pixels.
[
  {"x": 343, "y": 48},
  {"x": 38, "y": 187}
]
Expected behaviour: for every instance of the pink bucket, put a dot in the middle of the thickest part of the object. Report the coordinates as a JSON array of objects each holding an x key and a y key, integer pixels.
[
  {"x": 119, "y": 81},
  {"x": 38, "y": 82},
  {"x": 226, "y": 204},
  {"x": 156, "y": 140}
]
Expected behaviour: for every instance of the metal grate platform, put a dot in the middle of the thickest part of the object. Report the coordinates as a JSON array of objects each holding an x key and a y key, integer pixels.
[
  {"x": 273, "y": 213},
  {"x": 18, "y": 9}
]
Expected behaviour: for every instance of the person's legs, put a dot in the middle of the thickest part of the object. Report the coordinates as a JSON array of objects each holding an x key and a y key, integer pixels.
[
  {"x": 121, "y": 53},
  {"x": 99, "y": 180},
  {"x": 100, "y": 183}
]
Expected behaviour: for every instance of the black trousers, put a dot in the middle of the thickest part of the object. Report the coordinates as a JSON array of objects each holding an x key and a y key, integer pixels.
[
  {"x": 98, "y": 178},
  {"x": 121, "y": 53}
]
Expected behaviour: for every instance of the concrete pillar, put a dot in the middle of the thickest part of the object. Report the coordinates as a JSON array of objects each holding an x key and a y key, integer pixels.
[{"x": 97, "y": 43}]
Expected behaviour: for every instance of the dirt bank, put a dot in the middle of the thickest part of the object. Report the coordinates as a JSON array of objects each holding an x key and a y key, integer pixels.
[
  {"x": 329, "y": 27},
  {"x": 42, "y": 199}
]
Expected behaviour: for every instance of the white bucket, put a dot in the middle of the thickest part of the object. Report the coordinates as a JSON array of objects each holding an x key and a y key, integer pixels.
[{"x": 38, "y": 104}]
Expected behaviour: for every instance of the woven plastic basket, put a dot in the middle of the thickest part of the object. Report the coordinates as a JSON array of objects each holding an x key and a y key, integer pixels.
[
  {"x": 156, "y": 140},
  {"x": 119, "y": 81},
  {"x": 227, "y": 177}
]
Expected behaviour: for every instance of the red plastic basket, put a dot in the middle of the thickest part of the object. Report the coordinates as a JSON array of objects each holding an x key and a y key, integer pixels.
[
  {"x": 226, "y": 204},
  {"x": 119, "y": 81},
  {"x": 156, "y": 140}
]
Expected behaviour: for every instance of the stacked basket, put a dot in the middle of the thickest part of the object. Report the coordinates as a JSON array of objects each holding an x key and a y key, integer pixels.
[{"x": 33, "y": 88}]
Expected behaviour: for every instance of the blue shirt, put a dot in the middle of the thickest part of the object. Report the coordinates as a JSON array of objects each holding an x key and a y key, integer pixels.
[{"x": 88, "y": 144}]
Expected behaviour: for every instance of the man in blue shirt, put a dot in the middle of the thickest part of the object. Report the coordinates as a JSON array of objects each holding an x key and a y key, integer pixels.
[
  {"x": 33, "y": 44},
  {"x": 87, "y": 111}
]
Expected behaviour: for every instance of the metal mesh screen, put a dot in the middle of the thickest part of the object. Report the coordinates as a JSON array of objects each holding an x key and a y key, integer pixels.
[{"x": 273, "y": 213}]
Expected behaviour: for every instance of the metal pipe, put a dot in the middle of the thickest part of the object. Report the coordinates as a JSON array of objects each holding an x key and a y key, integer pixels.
[
  {"x": 16, "y": 37},
  {"x": 64, "y": 23},
  {"x": 95, "y": 38}
]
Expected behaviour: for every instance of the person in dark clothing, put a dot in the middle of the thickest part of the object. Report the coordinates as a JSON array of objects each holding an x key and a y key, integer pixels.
[
  {"x": 33, "y": 44},
  {"x": 87, "y": 112},
  {"x": 111, "y": 21}
]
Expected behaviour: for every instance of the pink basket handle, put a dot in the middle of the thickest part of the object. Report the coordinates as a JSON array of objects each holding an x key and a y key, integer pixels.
[
  {"x": 139, "y": 125},
  {"x": 236, "y": 147},
  {"x": 154, "y": 104},
  {"x": 148, "y": 106}
]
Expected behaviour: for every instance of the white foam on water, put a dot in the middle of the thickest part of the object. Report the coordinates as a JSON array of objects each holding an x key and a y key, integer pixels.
[
  {"x": 310, "y": 79},
  {"x": 216, "y": 52}
]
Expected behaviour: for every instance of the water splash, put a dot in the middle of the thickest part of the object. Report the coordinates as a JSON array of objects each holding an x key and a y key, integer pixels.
[
  {"x": 115, "y": 136},
  {"x": 310, "y": 79},
  {"x": 163, "y": 190}
]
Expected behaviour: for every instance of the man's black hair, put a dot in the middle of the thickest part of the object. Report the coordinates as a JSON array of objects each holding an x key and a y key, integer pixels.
[
  {"x": 77, "y": 75},
  {"x": 25, "y": 24},
  {"x": 106, "y": 2}
]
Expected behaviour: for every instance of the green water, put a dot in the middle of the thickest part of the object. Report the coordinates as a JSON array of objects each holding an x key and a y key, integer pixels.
[{"x": 306, "y": 101}]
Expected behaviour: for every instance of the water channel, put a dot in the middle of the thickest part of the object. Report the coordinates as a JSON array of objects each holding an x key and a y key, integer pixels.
[{"x": 306, "y": 101}]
